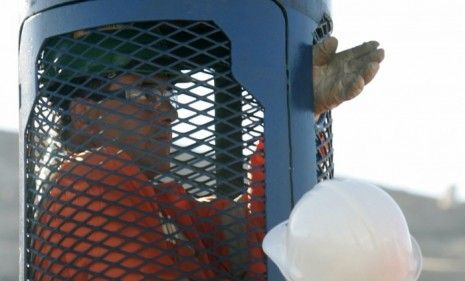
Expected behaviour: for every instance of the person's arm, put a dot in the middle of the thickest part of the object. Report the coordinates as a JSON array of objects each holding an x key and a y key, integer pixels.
[{"x": 203, "y": 226}]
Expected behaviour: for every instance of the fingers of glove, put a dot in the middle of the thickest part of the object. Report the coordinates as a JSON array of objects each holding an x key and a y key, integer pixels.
[
  {"x": 324, "y": 51},
  {"x": 367, "y": 69},
  {"x": 369, "y": 72},
  {"x": 345, "y": 89},
  {"x": 357, "y": 51},
  {"x": 351, "y": 86},
  {"x": 376, "y": 55}
]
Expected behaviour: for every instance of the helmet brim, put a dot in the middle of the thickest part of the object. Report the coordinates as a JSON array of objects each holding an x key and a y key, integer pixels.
[
  {"x": 274, "y": 246},
  {"x": 416, "y": 263}
]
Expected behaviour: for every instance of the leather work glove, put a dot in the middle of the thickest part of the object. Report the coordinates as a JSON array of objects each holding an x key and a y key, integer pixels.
[{"x": 338, "y": 77}]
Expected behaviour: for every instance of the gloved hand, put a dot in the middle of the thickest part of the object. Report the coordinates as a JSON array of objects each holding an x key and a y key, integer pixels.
[{"x": 338, "y": 77}]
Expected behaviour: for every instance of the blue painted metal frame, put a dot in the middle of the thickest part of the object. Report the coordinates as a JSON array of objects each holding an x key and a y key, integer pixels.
[
  {"x": 311, "y": 8},
  {"x": 271, "y": 57},
  {"x": 301, "y": 120}
]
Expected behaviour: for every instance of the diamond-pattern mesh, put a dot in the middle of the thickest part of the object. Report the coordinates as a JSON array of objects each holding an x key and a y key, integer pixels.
[
  {"x": 323, "y": 128},
  {"x": 144, "y": 158}
]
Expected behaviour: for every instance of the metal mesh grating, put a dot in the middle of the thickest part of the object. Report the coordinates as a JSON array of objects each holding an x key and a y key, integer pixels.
[
  {"x": 144, "y": 158},
  {"x": 323, "y": 128}
]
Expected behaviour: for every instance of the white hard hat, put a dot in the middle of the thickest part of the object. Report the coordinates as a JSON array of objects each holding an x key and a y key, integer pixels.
[{"x": 345, "y": 230}]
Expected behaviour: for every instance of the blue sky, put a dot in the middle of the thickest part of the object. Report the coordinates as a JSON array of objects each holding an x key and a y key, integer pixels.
[{"x": 407, "y": 129}]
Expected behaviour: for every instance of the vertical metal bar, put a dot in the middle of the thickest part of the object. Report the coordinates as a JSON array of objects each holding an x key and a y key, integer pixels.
[{"x": 229, "y": 171}]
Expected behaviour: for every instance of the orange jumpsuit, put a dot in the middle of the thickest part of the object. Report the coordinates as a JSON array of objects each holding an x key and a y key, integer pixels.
[{"x": 104, "y": 220}]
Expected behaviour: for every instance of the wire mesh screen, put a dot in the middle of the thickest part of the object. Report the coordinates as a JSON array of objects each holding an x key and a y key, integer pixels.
[
  {"x": 323, "y": 128},
  {"x": 144, "y": 158}
]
